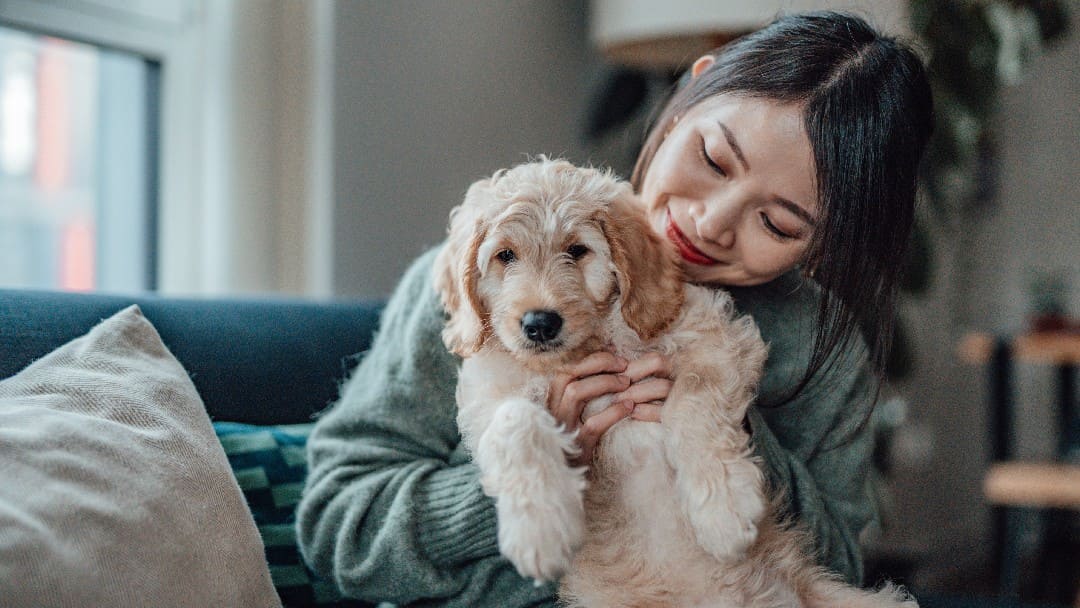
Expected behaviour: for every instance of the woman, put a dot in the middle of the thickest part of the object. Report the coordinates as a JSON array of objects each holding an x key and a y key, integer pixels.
[{"x": 784, "y": 170}]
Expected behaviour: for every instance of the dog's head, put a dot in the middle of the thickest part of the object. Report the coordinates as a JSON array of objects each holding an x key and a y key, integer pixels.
[{"x": 537, "y": 255}]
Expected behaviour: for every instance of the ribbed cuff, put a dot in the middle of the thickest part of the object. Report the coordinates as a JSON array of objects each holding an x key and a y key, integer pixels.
[{"x": 456, "y": 520}]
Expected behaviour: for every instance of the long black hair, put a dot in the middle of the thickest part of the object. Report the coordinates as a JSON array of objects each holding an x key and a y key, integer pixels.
[{"x": 868, "y": 113}]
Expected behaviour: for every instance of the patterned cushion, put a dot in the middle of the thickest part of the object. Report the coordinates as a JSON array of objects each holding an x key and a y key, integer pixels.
[{"x": 269, "y": 463}]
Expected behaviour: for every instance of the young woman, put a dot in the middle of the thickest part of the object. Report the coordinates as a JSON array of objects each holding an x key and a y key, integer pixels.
[{"x": 783, "y": 171}]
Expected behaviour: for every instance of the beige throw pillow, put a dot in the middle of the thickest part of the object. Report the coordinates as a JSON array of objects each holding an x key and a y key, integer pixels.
[{"x": 114, "y": 490}]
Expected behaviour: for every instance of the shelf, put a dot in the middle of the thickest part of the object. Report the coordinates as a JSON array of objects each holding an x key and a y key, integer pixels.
[
  {"x": 1033, "y": 484},
  {"x": 1050, "y": 347}
]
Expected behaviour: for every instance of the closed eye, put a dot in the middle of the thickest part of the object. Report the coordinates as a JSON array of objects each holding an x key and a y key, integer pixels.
[
  {"x": 709, "y": 161},
  {"x": 771, "y": 227}
]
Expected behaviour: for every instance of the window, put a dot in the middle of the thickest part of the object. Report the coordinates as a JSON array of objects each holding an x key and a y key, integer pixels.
[{"x": 78, "y": 165}]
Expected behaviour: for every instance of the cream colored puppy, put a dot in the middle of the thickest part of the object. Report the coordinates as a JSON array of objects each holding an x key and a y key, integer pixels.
[{"x": 545, "y": 264}]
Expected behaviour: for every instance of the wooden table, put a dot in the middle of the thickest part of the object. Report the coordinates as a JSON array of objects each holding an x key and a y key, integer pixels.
[{"x": 1009, "y": 484}]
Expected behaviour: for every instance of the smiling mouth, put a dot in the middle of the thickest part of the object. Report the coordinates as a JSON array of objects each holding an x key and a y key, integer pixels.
[{"x": 686, "y": 248}]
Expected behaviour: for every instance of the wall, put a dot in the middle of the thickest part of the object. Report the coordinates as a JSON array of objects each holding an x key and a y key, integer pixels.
[{"x": 431, "y": 96}]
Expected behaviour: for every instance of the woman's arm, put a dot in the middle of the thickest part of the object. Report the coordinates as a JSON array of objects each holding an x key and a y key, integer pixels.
[{"x": 393, "y": 509}]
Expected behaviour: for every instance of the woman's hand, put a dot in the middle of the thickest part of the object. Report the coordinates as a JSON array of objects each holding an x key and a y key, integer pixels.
[
  {"x": 650, "y": 378},
  {"x": 640, "y": 388}
]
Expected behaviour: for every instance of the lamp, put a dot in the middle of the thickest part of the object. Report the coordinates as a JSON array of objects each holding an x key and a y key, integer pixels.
[{"x": 670, "y": 34}]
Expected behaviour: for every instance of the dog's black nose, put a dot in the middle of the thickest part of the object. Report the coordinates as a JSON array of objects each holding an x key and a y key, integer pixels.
[{"x": 541, "y": 325}]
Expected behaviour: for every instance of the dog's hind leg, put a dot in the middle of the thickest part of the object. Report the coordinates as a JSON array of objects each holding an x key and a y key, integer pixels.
[{"x": 539, "y": 497}]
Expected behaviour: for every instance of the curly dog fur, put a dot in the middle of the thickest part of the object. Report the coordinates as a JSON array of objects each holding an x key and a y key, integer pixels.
[{"x": 668, "y": 515}]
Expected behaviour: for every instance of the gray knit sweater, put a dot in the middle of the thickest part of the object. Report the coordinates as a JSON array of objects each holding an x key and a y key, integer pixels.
[{"x": 393, "y": 510}]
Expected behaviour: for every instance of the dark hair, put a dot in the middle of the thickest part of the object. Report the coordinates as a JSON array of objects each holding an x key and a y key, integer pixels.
[{"x": 868, "y": 115}]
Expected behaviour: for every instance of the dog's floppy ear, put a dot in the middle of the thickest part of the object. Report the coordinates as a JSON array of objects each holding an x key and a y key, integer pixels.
[
  {"x": 456, "y": 276},
  {"x": 646, "y": 269}
]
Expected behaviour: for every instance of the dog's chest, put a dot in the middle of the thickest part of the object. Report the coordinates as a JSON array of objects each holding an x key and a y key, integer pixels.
[
  {"x": 634, "y": 482},
  {"x": 484, "y": 382}
]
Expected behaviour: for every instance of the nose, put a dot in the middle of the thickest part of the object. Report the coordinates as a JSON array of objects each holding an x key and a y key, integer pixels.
[
  {"x": 716, "y": 219},
  {"x": 541, "y": 326}
]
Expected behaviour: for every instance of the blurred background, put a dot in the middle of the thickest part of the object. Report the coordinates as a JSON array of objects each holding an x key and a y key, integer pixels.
[{"x": 314, "y": 148}]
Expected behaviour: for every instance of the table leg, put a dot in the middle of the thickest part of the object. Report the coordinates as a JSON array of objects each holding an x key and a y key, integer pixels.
[
  {"x": 1068, "y": 424},
  {"x": 1005, "y": 541}
]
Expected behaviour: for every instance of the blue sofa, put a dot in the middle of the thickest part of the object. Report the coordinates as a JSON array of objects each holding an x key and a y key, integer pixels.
[{"x": 254, "y": 361}]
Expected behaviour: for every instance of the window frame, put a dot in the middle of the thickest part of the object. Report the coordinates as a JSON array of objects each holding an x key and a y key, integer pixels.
[
  {"x": 166, "y": 32},
  {"x": 231, "y": 217}
]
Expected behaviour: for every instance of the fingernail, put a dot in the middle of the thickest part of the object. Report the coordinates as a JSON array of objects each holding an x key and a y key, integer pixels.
[
  {"x": 629, "y": 405},
  {"x": 624, "y": 379}
]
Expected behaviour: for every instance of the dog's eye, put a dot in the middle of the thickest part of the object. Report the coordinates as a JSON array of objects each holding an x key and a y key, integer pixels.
[
  {"x": 506, "y": 256},
  {"x": 577, "y": 251}
]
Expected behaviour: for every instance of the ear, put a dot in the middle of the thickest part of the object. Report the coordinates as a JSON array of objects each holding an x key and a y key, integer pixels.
[
  {"x": 646, "y": 268},
  {"x": 701, "y": 64},
  {"x": 456, "y": 276}
]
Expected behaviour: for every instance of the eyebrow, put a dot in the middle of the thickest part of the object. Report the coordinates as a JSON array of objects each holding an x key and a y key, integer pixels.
[
  {"x": 802, "y": 214},
  {"x": 730, "y": 137}
]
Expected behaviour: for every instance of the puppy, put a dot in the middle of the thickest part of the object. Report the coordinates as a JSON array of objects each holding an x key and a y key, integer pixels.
[{"x": 545, "y": 264}]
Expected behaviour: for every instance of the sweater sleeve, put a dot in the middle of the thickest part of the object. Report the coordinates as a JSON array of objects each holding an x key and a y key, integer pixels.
[{"x": 392, "y": 509}]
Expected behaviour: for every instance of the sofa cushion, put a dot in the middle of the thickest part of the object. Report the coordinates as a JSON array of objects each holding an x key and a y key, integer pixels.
[
  {"x": 114, "y": 490},
  {"x": 270, "y": 464}
]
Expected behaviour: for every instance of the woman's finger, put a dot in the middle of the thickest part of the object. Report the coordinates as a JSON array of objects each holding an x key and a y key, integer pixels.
[
  {"x": 651, "y": 364},
  {"x": 601, "y": 362},
  {"x": 597, "y": 363},
  {"x": 650, "y": 389},
  {"x": 579, "y": 393},
  {"x": 647, "y": 412},
  {"x": 596, "y": 425}
]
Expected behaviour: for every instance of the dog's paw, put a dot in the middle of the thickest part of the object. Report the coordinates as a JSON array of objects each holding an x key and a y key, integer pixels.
[
  {"x": 540, "y": 537},
  {"x": 539, "y": 498},
  {"x": 725, "y": 518}
]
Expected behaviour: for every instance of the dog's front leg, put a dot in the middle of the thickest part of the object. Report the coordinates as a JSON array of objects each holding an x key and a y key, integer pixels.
[
  {"x": 718, "y": 482},
  {"x": 539, "y": 497}
]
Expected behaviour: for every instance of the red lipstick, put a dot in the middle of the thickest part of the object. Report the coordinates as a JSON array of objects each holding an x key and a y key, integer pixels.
[{"x": 686, "y": 248}]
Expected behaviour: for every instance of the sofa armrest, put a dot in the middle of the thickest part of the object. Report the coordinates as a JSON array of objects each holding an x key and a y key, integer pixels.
[{"x": 257, "y": 361}]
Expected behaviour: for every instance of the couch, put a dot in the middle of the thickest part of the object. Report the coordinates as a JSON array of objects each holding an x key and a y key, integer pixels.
[{"x": 263, "y": 369}]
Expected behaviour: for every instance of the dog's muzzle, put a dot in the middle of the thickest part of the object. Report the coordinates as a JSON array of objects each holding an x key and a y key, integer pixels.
[{"x": 541, "y": 326}]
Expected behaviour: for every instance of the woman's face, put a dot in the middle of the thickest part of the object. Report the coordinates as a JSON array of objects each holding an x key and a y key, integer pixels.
[{"x": 733, "y": 187}]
